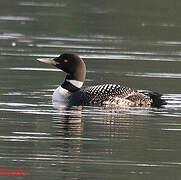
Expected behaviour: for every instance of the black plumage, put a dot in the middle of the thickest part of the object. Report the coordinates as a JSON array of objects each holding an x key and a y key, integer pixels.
[{"x": 115, "y": 95}]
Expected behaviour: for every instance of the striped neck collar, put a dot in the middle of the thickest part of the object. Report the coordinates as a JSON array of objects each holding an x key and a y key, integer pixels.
[{"x": 72, "y": 85}]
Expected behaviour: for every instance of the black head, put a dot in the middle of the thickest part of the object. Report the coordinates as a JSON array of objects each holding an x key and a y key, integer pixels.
[
  {"x": 69, "y": 63},
  {"x": 72, "y": 64}
]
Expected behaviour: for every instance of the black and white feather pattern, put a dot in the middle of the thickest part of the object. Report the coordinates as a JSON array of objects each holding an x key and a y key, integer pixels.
[
  {"x": 70, "y": 92},
  {"x": 111, "y": 94}
]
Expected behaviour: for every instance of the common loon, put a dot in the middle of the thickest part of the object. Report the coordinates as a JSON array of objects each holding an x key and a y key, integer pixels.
[{"x": 71, "y": 93}]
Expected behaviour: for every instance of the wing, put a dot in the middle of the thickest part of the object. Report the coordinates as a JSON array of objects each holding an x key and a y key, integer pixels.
[{"x": 112, "y": 94}]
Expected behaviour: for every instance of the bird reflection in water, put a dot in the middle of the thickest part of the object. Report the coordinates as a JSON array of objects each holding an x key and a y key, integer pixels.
[
  {"x": 68, "y": 127},
  {"x": 120, "y": 122},
  {"x": 69, "y": 121}
]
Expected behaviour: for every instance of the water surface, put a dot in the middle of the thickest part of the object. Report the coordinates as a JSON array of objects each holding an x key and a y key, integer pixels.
[{"x": 136, "y": 44}]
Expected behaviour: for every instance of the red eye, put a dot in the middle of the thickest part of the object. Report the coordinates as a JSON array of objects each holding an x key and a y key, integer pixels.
[{"x": 65, "y": 60}]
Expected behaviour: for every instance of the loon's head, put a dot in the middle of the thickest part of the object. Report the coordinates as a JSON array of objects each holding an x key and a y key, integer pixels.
[{"x": 72, "y": 64}]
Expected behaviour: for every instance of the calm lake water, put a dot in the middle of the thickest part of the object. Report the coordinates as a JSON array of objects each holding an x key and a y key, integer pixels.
[{"x": 133, "y": 43}]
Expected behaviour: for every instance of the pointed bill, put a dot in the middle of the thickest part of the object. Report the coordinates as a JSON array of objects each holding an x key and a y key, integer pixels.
[{"x": 47, "y": 60}]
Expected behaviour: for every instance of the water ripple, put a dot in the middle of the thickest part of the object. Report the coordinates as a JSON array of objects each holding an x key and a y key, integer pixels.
[
  {"x": 33, "y": 69},
  {"x": 42, "y": 4},
  {"x": 16, "y": 18},
  {"x": 154, "y": 75}
]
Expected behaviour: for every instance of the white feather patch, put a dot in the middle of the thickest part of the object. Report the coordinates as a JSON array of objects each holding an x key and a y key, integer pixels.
[
  {"x": 76, "y": 83},
  {"x": 61, "y": 95},
  {"x": 64, "y": 92}
]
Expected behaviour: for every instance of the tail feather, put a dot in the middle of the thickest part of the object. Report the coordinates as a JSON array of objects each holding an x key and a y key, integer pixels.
[{"x": 156, "y": 98}]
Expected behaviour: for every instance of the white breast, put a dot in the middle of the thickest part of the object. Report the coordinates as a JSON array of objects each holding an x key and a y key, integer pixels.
[{"x": 61, "y": 96}]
